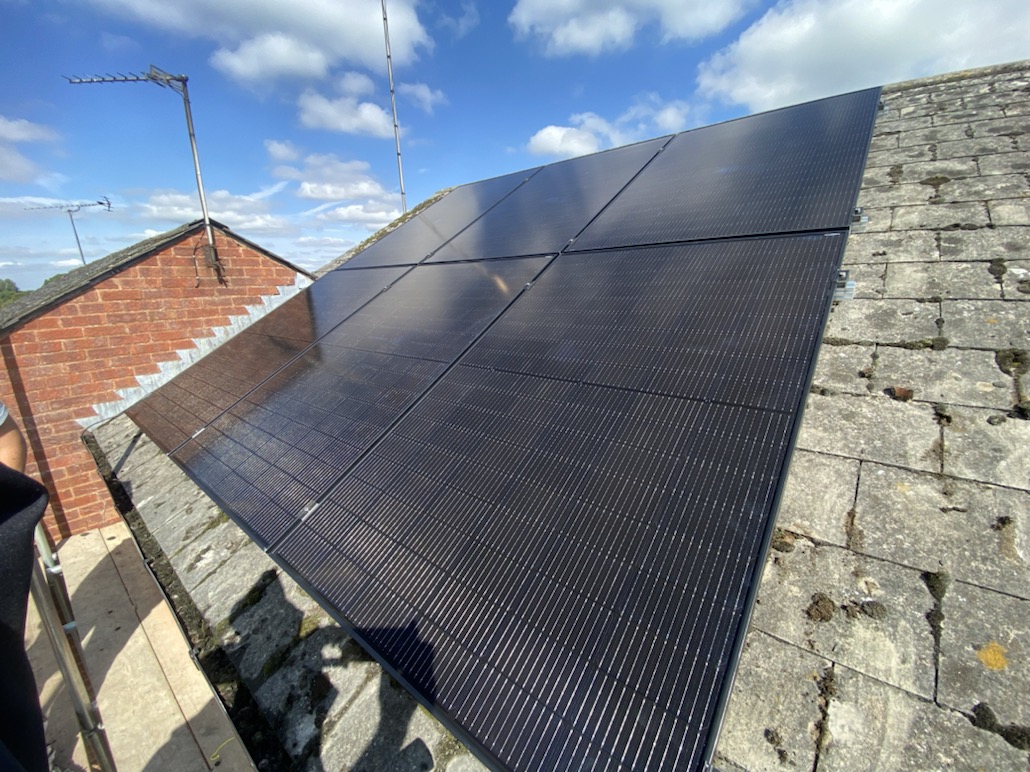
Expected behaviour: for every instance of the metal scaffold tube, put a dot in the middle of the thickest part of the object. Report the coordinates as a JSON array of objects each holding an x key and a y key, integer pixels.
[{"x": 86, "y": 711}]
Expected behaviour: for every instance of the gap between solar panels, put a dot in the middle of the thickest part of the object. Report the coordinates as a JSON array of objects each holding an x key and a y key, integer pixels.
[{"x": 539, "y": 487}]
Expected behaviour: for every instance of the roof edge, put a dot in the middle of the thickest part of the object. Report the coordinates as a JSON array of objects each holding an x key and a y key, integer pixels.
[
  {"x": 79, "y": 280},
  {"x": 958, "y": 75}
]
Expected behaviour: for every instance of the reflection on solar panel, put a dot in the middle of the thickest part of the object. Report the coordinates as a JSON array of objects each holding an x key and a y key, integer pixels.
[
  {"x": 197, "y": 396},
  {"x": 552, "y": 207},
  {"x": 780, "y": 172},
  {"x": 719, "y": 321},
  {"x": 428, "y": 229},
  {"x": 280, "y": 447},
  {"x": 539, "y": 491}
]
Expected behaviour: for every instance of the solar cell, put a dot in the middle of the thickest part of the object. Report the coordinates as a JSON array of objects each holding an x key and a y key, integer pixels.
[
  {"x": 728, "y": 321},
  {"x": 545, "y": 510},
  {"x": 198, "y": 395},
  {"x": 435, "y": 311},
  {"x": 280, "y": 447},
  {"x": 552, "y": 207},
  {"x": 581, "y": 564},
  {"x": 425, "y": 231},
  {"x": 793, "y": 169}
]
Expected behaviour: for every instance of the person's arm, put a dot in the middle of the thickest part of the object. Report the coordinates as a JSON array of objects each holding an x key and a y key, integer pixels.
[{"x": 12, "y": 445}]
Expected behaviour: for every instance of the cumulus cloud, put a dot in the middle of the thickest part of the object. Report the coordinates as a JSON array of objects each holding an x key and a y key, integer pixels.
[
  {"x": 422, "y": 95},
  {"x": 246, "y": 213},
  {"x": 272, "y": 55},
  {"x": 283, "y": 152},
  {"x": 324, "y": 177},
  {"x": 371, "y": 215},
  {"x": 355, "y": 84},
  {"x": 15, "y": 166},
  {"x": 563, "y": 142},
  {"x": 21, "y": 130},
  {"x": 593, "y": 27},
  {"x": 308, "y": 31},
  {"x": 344, "y": 114},
  {"x": 806, "y": 49},
  {"x": 589, "y": 132},
  {"x": 462, "y": 25}
]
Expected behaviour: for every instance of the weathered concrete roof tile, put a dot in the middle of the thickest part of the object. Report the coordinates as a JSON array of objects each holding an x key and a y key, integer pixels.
[
  {"x": 892, "y": 629},
  {"x": 911, "y": 488}
]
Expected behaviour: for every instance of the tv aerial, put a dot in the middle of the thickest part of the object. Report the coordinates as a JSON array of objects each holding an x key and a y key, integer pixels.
[
  {"x": 71, "y": 209},
  {"x": 176, "y": 83}
]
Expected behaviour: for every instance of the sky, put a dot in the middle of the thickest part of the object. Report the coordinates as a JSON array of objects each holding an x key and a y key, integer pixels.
[{"x": 292, "y": 110}]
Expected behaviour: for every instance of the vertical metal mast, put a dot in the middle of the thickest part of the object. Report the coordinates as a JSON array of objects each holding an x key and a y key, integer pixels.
[
  {"x": 71, "y": 209},
  {"x": 181, "y": 80},
  {"x": 393, "y": 103}
]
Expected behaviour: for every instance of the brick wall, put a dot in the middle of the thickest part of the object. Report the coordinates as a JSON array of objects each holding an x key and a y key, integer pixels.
[{"x": 58, "y": 365}]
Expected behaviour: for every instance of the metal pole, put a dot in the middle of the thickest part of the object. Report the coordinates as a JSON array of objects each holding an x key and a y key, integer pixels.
[
  {"x": 76, "y": 232},
  {"x": 393, "y": 103},
  {"x": 59, "y": 590},
  {"x": 196, "y": 162},
  {"x": 92, "y": 729}
]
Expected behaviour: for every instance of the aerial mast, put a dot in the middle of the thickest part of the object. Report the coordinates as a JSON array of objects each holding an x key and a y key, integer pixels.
[
  {"x": 71, "y": 209},
  {"x": 393, "y": 103},
  {"x": 178, "y": 84}
]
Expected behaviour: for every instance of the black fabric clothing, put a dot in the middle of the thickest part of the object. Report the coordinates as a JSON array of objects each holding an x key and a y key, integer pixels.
[{"x": 22, "y": 742}]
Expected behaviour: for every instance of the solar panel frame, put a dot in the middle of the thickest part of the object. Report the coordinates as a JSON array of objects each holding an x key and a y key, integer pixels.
[
  {"x": 342, "y": 392},
  {"x": 516, "y": 457},
  {"x": 427, "y": 230},
  {"x": 783, "y": 171},
  {"x": 192, "y": 399},
  {"x": 546, "y": 213},
  {"x": 382, "y": 552}
]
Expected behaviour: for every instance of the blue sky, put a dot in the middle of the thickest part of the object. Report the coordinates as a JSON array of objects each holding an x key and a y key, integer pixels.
[{"x": 291, "y": 100}]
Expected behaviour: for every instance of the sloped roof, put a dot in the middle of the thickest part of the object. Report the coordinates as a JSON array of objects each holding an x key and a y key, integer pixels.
[
  {"x": 67, "y": 285},
  {"x": 894, "y": 609}
]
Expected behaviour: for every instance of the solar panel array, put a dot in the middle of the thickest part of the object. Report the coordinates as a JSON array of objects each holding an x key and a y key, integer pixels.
[{"x": 527, "y": 448}]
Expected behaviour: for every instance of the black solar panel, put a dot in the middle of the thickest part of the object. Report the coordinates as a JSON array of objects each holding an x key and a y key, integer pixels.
[
  {"x": 198, "y": 395},
  {"x": 552, "y": 207},
  {"x": 427, "y": 230},
  {"x": 282, "y": 446},
  {"x": 784, "y": 171},
  {"x": 727, "y": 321},
  {"x": 545, "y": 510},
  {"x": 574, "y": 557}
]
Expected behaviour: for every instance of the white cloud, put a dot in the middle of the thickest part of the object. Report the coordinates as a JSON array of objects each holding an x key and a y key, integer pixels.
[
  {"x": 422, "y": 95},
  {"x": 322, "y": 241},
  {"x": 21, "y": 130},
  {"x": 284, "y": 151},
  {"x": 245, "y": 213},
  {"x": 338, "y": 31},
  {"x": 15, "y": 167},
  {"x": 595, "y": 26},
  {"x": 356, "y": 84},
  {"x": 118, "y": 44},
  {"x": 71, "y": 262},
  {"x": 271, "y": 55},
  {"x": 345, "y": 114},
  {"x": 324, "y": 177},
  {"x": 462, "y": 25},
  {"x": 805, "y": 49},
  {"x": 371, "y": 215},
  {"x": 648, "y": 117},
  {"x": 563, "y": 142}
]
